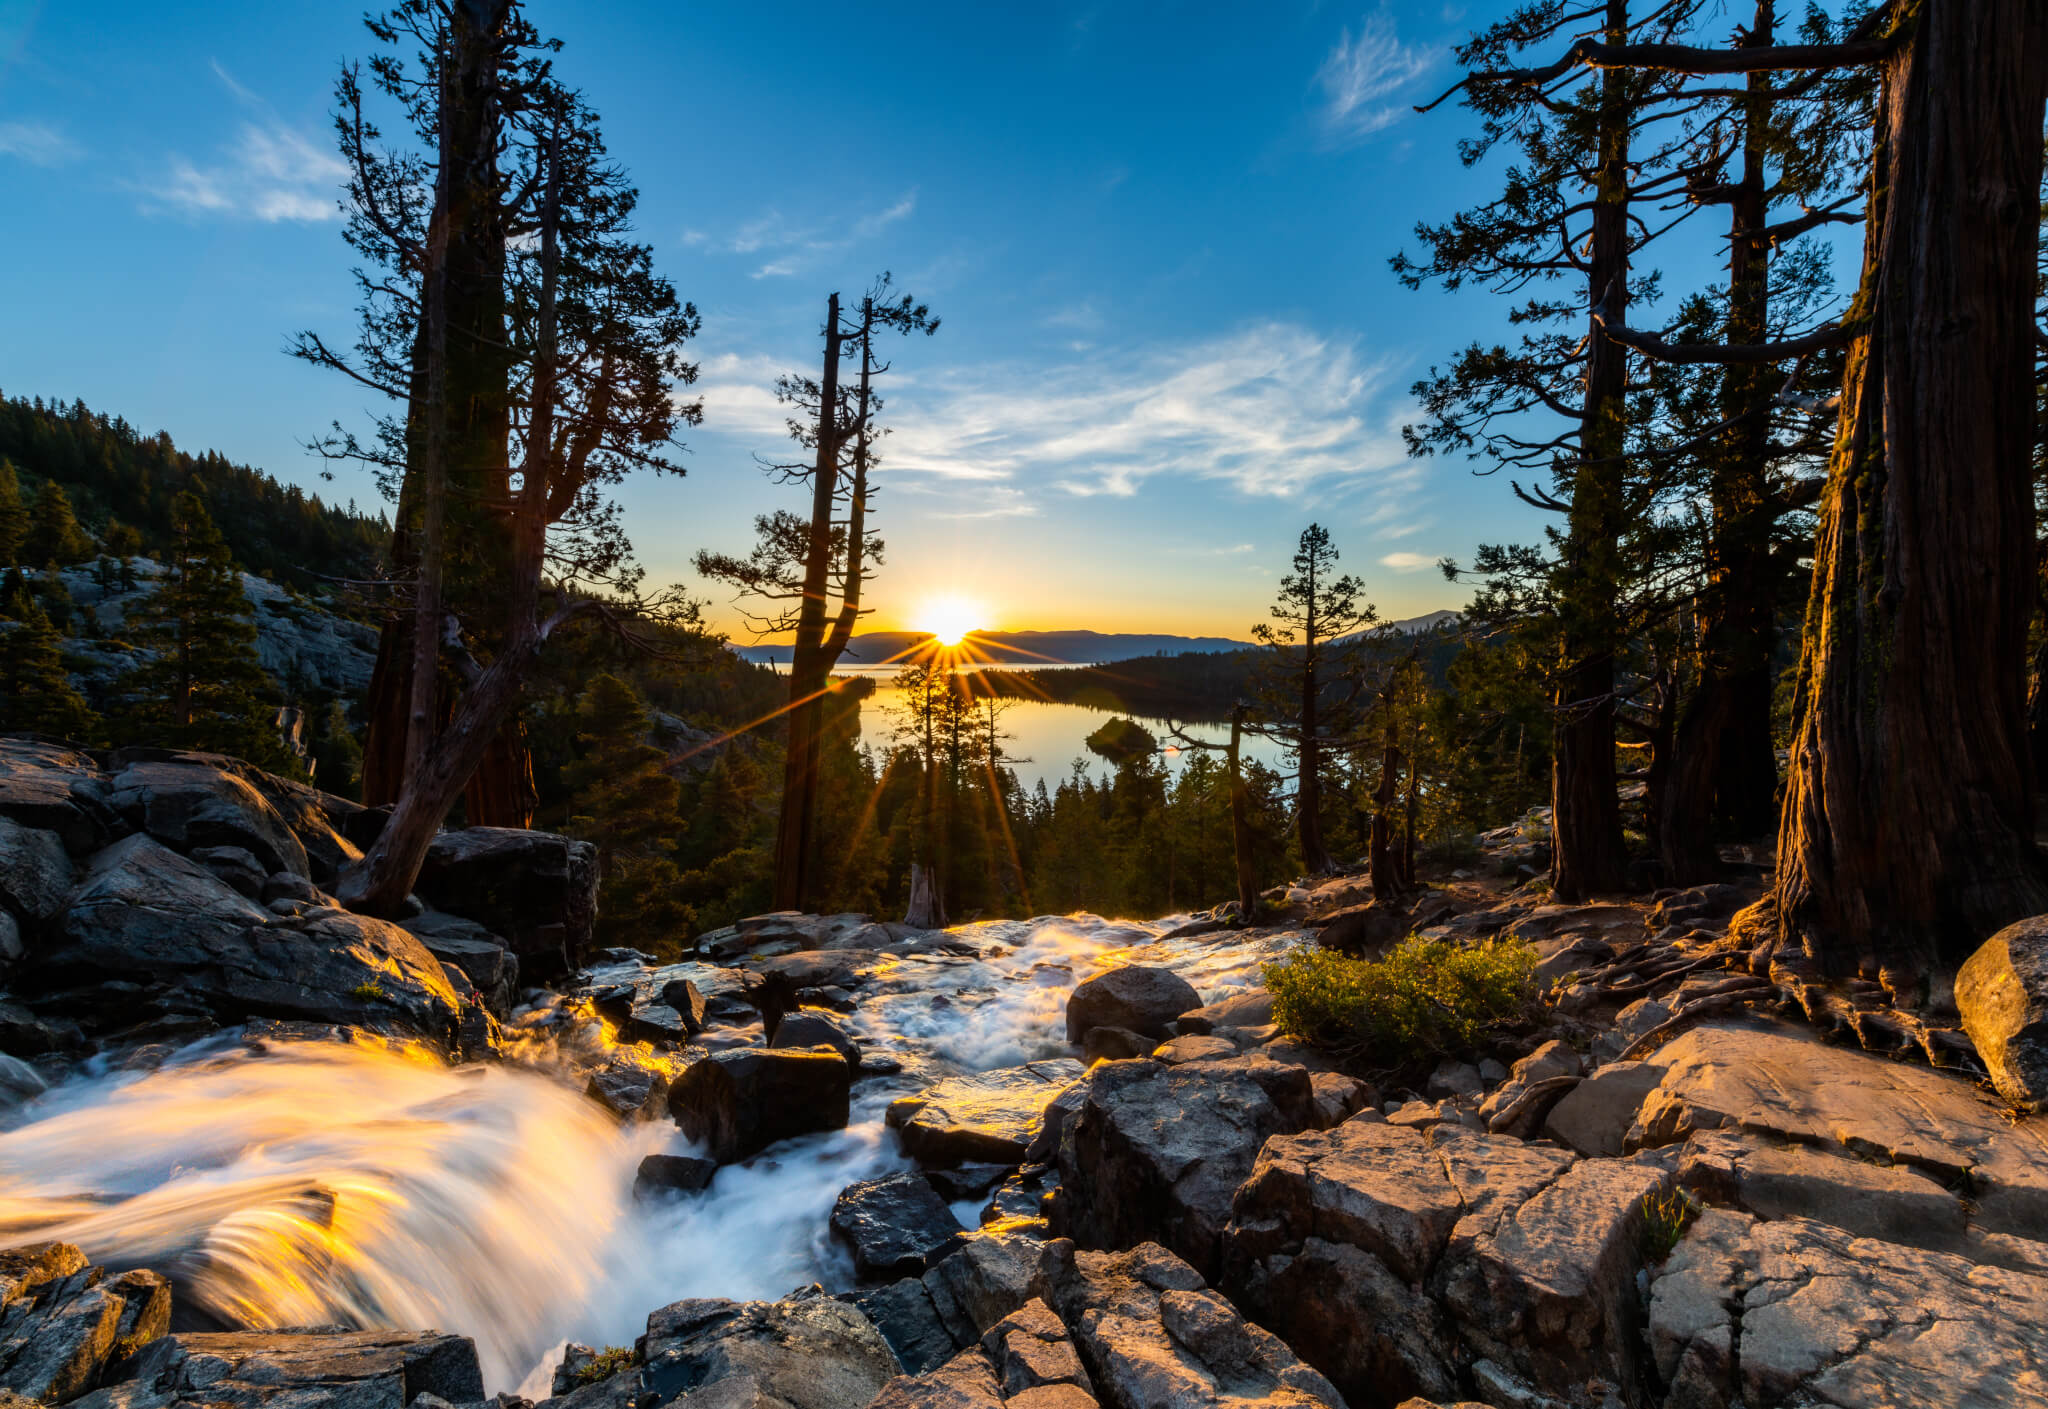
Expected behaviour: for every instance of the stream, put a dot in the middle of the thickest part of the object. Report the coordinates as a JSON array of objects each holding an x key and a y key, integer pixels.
[{"x": 365, "y": 1184}]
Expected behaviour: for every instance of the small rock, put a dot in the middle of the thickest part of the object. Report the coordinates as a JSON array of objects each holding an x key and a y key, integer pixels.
[
  {"x": 1415, "y": 1115},
  {"x": 1553, "y": 1058},
  {"x": 1018, "y": 1203},
  {"x": 575, "y": 1356},
  {"x": 1192, "y": 1049},
  {"x": 628, "y": 1090},
  {"x": 2002, "y": 992},
  {"x": 687, "y": 999},
  {"x": 672, "y": 1173},
  {"x": 1367, "y": 930},
  {"x": 1143, "y": 999},
  {"x": 894, "y": 1227},
  {"x": 1253, "y": 1008},
  {"x": 738, "y": 1103},
  {"x": 987, "y": 1279},
  {"x": 535, "y": 890},
  {"x": 1595, "y": 1115},
  {"x": 1452, "y": 1079},
  {"x": 811, "y": 1028},
  {"x": 1639, "y": 1017},
  {"x": 967, "y": 1181},
  {"x": 1338, "y": 1098},
  {"x": 1152, "y": 1334},
  {"x": 1114, "y": 1044}
]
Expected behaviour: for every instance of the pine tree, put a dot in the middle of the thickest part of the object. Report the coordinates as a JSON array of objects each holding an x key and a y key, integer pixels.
[
  {"x": 625, "y": 802},
  {"x": 55, "y": 598},
  {"x": 205, "y": 688},
  {"x": 53, "y": 532},
  {"x": 1314, "y": 609},
  {"x": 123, "y": 544},
  {"x": 35, "y": 693},
  {"x": 338, "y": 758},
  {"x": 13, "y": 516}
]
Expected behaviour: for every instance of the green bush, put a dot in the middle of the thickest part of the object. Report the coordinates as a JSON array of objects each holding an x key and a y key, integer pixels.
[
  {"x": 1428, "y": 997},
  {"x": 367, "y": 993},
  {"x": 608, "y": 1362}
]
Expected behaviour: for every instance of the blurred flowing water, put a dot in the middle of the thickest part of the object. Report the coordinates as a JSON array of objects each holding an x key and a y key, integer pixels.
[{"x": 311, "y": 1183}]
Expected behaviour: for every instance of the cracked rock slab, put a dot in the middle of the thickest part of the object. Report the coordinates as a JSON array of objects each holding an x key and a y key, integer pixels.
[
  {"x": 1152, "y": 1336},
  {"x": 1155, "y": 1153},
  {"x": 1339, "y": 1240},
  {"x": 1795, "y": 1312},
  {"x": 1778, "y": 1081}
]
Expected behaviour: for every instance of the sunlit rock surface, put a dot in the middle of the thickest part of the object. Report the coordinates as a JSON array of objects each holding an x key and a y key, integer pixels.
[{"x": 989, "y": 1116}]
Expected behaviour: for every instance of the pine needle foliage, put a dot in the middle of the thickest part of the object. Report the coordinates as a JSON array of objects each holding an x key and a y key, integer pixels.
[
  {"x": 625, "y": 803},
  {"x": 204, "y": 687},
  {"x": 36, "y": 695}
]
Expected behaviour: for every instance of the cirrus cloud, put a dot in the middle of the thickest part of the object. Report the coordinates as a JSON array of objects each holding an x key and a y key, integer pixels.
[
  {"x": 37, "y": 143},
  {"x": 1273, "y": 410},
  {"x": 1362, "y": 74},
  {"x": 271, "y": 172}
]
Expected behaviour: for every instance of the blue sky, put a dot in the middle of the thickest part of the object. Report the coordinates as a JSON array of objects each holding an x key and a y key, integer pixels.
[{"x": 1157, "y": 236}]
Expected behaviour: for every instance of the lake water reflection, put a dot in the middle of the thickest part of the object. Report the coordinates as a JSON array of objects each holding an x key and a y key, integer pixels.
[{"x": 1045, "y": 738}]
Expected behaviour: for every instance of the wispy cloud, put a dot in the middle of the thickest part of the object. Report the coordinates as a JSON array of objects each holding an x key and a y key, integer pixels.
[
  {"x": 37, "y": 143},
  {"x": 1407, "y": 562},
  {"x": 270, "y": 172},
  {"x": 869, "y": 226},
  {"x": 1274, "y": 410},
  {"x": 1082, "y": 317},
  {"x": 1271, "y": 410},
  {"x": 796, "y": 247},
  {"x": 993, "y": 502},
  {"x": 1362, "y": 74}
]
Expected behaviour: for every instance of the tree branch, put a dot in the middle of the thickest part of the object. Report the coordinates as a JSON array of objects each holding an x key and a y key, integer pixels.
[{"x": 1728, "y": 354}]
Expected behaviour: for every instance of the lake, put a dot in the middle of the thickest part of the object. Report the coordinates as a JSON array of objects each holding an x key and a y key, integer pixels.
[{"x": 1046, "y": 738}]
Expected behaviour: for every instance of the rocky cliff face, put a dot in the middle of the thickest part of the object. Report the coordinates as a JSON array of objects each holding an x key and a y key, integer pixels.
[{"x": 300, "y": 643}]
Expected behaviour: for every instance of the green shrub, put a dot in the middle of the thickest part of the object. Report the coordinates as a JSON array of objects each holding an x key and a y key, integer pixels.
[
  {"x": 367, "y": 993},
  {"x": 607, "y": 1362},
  {"x": 1428, "y": 997}
]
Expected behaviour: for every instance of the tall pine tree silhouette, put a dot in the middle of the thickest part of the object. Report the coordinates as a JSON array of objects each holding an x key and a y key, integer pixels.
[
  {"x": 205, "y": 687},
  {"x": 626, "y": 804},
  {"x": 53, "y": 532},
  {"x": 13, "y": 515},
  {"x": 35, "y": 693}
]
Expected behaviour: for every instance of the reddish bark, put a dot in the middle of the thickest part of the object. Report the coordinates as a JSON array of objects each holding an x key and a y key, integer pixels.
[{"x": 1907, "y": 833}]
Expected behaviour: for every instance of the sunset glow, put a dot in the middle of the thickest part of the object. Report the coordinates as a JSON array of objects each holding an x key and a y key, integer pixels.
[{"x": 950, "y": 619}]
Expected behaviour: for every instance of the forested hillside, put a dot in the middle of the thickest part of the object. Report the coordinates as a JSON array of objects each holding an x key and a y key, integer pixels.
[{"x": 115, "y": 474}]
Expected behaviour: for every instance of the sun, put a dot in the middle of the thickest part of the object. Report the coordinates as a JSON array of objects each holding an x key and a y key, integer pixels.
[{"x": 950, "y": 619}]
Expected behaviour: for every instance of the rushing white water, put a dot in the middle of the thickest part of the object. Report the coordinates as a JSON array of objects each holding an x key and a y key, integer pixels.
[{"x": 315, "y": 1183}]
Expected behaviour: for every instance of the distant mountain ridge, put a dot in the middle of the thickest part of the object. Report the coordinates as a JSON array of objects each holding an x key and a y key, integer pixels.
[
  {"x": 1015, "y": 647},
  {"x": 1028, "y": 648}
]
